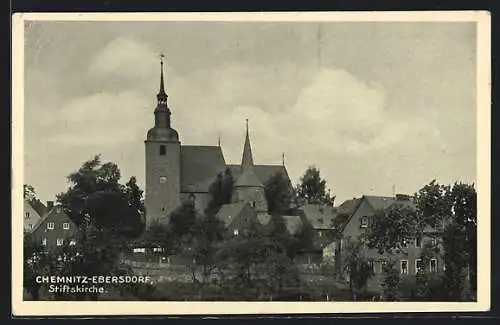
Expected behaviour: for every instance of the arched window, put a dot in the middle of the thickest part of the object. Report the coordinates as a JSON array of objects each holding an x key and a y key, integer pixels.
[{"x": 163, "y": 150}]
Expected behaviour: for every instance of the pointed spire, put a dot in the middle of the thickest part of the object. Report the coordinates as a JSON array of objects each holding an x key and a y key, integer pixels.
[
  {"x": 247, "y": 160},
  {"x": 162, "y": 95}
]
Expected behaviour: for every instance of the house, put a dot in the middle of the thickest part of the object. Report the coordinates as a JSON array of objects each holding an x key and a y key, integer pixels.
[
  {"x": 55, "y": 229},
  {"x": 32, "y": 215},
  {"x": 321, "y": 218},
  {"x": 408, "y": 261}
]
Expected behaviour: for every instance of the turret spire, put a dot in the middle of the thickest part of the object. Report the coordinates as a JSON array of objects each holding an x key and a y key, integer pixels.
[
  {"x": 247, "y": 160},
  {"x": 162, "y": 95}
]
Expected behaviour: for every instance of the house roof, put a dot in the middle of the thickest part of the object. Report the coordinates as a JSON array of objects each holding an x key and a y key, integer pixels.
[
  {"x": 379, "y": 202},
  {"x": 320, "y": 216},
  {"x": 55, "y": 212},
  {"x": 228, "y": 212},
  {"x": 38, "y": 206},
  {"x": 293, "y": 224},
  {"x": 199, "y": 167},
  {"x": 349, "y": 207}
]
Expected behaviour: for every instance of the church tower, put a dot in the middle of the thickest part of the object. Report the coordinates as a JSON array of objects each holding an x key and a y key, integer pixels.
[
  {"x": 248, "y": 187},
  {"x": 162, "y": 162}
]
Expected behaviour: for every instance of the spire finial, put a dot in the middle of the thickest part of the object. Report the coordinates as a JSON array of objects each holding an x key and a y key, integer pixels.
[
  {"x": 247, "y": 160},
  {"x": 283, "y": 158},
  {"x": 162, "y": 95},
  {"x": 218, "y": 139}
]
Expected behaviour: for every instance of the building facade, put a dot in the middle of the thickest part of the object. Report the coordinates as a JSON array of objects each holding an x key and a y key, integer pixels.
[
  {"x": 408, "y": 261},
  {"x": 55, "y": 229}
]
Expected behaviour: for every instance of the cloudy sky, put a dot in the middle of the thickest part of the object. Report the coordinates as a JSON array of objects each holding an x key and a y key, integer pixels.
[{"x": 372, "y": 105}]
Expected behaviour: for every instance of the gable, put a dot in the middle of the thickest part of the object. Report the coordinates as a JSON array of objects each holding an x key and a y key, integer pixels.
[
  {"x": 199, "y": 167},
  {"x": 58, "y": 217},
  {"x": 31, "y": 217},
  {"x": 352, "y": 227}
]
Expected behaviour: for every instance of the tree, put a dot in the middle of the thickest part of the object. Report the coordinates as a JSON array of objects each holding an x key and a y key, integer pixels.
[
  {"x": 94, "y": 176},
  {"x": 134, "y": 197},
  {"x": 111, "y": 212},
  {"x": 312, "y": 188},
  {"x": 35, "y": 263},
  {"x": 278, "y": 194},
  {"x": 183, "y": 219},
  {"x": 392, "y": 228},
  {"x": 29, "y": 193},
  {"x": 206, "y": 234},
  {"x": 391, "y": 280},
  {"x": 357, "y": 267},
  {"x": 220, "y": 191}
]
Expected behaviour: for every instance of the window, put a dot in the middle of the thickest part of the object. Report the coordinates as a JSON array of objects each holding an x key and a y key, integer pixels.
[
  {"x": 418, "y": 242},
  {"x": 59, "y": 241},
  {"x": 236, "y": 232},
  {"x": 404, "y": 266},
  {"x": 139, "y": 250},
  {"x": 44, "y": 241},
  {"x": 50, "y": 225},
  {"x": 163, "y": 150},
  {"x": 364, "y": 222},
  {"x": 433, "y": 265},
  {"x": 30, "y": 226},
  {"x": 157, "y": 249},
  {"x": 163, "y": 179},
  {"x": 372, "y": 266},
  {"x": 433, "y": 241},
  {"x": 419, "y": 266},
  {"x": 72, "y": 242},
  {"x": 320, "y": 233},
  {"x": 66, "y": 225},
  {"x": 383, "y": 263},
  {"x": 27, "y": 215}
]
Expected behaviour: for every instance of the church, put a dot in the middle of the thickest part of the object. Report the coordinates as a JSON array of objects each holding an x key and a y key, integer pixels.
[{"x": 176, "y": 172}]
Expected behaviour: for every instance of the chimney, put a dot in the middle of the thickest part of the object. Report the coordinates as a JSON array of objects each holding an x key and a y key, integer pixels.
[
  {"x": 50, "y": 205},
  {"x": 402, "y": 197}
]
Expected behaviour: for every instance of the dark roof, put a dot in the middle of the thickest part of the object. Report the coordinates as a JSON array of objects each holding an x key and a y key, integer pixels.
[
  {"x": 293, "y": 224},
  {"x": 200, "y": 166},
  {"x": 228, "y": 212},
  {"x": 320, "y": 216},
  {"x": 379, "y": 202},
  {"x": 39, "y": 207},
  {"x": 263, "y": 172},
  {"x": 349, "y": 206},
  {"x": 248, "y": 179},
  {"x": 55, "y": 212}
]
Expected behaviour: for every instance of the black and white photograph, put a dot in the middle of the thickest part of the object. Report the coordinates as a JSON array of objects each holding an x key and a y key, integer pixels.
[{"x": 251, "y": 163}]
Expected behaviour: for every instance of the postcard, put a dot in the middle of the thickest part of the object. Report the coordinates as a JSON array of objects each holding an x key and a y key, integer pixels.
[{"x": 250, "y": 163}]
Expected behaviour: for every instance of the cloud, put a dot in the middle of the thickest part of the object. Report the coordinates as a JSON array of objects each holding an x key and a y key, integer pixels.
[
  {"x": 323, "y": 116},
  {"x": 125, "y": 59},
  {"x": 100, "y": 120}
]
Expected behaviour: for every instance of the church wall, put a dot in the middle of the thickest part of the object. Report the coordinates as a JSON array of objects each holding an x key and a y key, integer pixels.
[
  {"x": 201, "y": 200},
  {"x": 162, "y": 180}
]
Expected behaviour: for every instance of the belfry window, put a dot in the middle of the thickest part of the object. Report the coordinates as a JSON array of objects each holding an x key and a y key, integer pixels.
[{"x": 163, "y": 150}]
